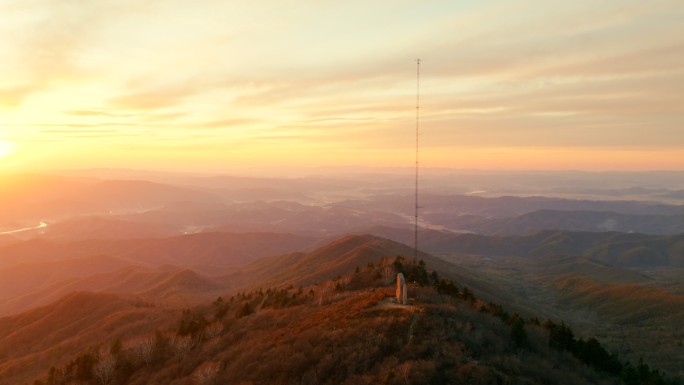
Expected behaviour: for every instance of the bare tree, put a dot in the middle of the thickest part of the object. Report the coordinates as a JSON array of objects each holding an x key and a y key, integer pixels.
[
  {"x": 405, "y": 369},
  {"x": 213, "y": 330},
  {"x": 183, "y": 345},
  {"x": 324, "y": 293},
  {"x": 104, "y": 369},
  {"x": 56, "y": 376},
  {"x": 387, "y": 274},
  {"x": 143, "y": 349},
  {"x": 206, "y": 373}
]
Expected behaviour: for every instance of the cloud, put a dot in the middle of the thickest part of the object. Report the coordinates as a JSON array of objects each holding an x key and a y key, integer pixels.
[
  {"x": 45, "y": 44},
  {"x": 226, "y": 123},
  {"x": 12, "y": 97},
  {"x": 503, "y": 74},
  {"x": 152, "y": 99},
  {"x": 80, "y": 133},
  {"x": 108, "y": 114}
]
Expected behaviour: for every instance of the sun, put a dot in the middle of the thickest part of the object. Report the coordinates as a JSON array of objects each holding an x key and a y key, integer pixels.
[{"x": 6, "y": 148}]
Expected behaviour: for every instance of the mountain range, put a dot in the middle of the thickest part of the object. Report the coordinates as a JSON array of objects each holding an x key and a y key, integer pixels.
[{"x": 94, "y": 271}]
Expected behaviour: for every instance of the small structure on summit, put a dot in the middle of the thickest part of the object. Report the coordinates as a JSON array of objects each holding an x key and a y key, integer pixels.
[{"x": 402, "y": 296}]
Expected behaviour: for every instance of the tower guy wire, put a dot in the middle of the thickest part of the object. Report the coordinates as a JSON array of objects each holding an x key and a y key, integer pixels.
[{"x": 415, "y": 248}]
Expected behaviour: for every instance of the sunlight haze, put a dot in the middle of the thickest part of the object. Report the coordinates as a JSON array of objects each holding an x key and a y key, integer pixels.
[
  {"x": 215, "y": 85},
  {"x": 397, "y": 192}
]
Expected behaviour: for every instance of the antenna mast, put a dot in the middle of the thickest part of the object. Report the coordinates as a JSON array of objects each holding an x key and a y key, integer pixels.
[{"x": 415, "y": 249}]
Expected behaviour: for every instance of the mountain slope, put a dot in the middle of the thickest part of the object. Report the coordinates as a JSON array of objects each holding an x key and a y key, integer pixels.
[
  {"x": 221, "y": 249},
  {"x": 350, "y": 252},
  {"x": 166, "y": 285},
  {"x": 327, "y": 262},
  {"x": 35, "y": 340},
  {"x": 333, "y": 334},
  {"x": 22, "y": 278},
  {"x": 341, "y": 331}
]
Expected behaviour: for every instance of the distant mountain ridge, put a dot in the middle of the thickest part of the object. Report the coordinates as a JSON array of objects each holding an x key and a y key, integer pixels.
[
  {"x": 576, "y": 221},
  {"x": 35, "y": 197},
  {"x": 619, "y": 249},
  {"x": 169, "y": 284},
  {"x": 217, "y": 249},
  {"x": 34, "y": 272}
]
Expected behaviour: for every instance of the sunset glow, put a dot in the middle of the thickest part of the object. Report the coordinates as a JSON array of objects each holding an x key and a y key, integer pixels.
[
  {"x": 216, "y": 85},
  {"x": 6, "y": 148}
]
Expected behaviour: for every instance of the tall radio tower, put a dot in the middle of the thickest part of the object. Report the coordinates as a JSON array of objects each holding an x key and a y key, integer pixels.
[{"x": 415, "y": 249}]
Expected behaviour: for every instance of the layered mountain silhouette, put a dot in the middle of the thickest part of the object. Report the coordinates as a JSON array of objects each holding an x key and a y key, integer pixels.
[
  {"x": 162, "y": 285},
  {"x": 619, "y": 249},
  {"x": 221, "y": 249},
  {"x": 178, "y": 278}
]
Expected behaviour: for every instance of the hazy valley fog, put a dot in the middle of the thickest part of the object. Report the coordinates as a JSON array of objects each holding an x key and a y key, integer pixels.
[{"x": 603, "y": 252}]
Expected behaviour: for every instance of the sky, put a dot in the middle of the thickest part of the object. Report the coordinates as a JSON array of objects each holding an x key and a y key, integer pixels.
[{"x": 219, "y": 85}]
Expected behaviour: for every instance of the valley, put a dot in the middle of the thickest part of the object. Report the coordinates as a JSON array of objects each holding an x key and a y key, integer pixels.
[{"x": 136, "y": 261}]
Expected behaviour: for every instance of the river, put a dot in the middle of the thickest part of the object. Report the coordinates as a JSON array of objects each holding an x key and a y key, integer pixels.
[{"x": 42, "y": 225}]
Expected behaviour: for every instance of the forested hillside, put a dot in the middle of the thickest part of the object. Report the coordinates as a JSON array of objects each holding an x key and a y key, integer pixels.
[{"x": 350, "y": 331}]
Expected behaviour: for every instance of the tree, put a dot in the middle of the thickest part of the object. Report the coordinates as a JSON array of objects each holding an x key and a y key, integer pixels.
[
  {"x": 81, "y": 368},
  {"x": 387, "y": 274},
  {"x": 183, "y": 345},
  {"x": 213, "y": 330},
  {"x": 592, "y": 353},
  {"x": 161, "y": 346},
  {"x": 104, "y": 369},
  {"x": 561, "y": 336},
  {"x": 518, "y": 332},
  {"x": 206, "y": 374},
  {"x": 191, "y": 323},
  {"x": 55, "y": 376},
  {"x": 467, "y": 295},
  {"x": 143, "y": 350},
  {"x": 244, "y": 310},
  {"x": 220, "y": 308},
  {"x": 398, "y": 263}
]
